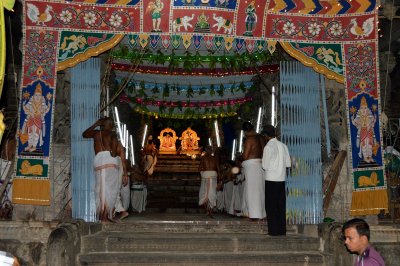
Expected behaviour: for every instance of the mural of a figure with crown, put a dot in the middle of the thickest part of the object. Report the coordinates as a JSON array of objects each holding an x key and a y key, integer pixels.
[
  {"x": 251, "y": 18},
  {"x": 33, "y": 130},
  {"x": 364, "y": 119}
]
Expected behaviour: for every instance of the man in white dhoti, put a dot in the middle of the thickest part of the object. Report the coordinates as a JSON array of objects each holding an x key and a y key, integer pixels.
[
  {"x": 107, "y": 166},
  {"x": 123, "y": 197},
  {"x": 209, "y": 169},
  {"x": 253, "y": 172}
]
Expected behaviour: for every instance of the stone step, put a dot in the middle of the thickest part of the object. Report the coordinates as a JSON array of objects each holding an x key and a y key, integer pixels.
[
  {"x": 188, "y": 242},
  {"x": 160, "y": 193},
  {"x": 200, "y": 224},
  {"x": 174, "y": 182},
  {"x": 185, "y": 209},
  {"x": 175, "y": 176},
  {"x": 196, "y": 258}
]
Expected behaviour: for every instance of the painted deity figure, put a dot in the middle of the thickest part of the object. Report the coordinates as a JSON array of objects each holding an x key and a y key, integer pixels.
[
  {"x": 34, "y": 125},
  {"x": 168, "y": 142},
  {"x": 364, "y": 120},
  {"x": 155, "y": 11},
  {"x": 251, "y": 19}
]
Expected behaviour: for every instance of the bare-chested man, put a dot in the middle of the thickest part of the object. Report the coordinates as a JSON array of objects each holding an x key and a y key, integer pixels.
[
  {"x": 107, "y": 165},
  {"x": 149, "y": 153},
  {"x": 209, "y": 169},
  {"x": 254, "y": 174}
]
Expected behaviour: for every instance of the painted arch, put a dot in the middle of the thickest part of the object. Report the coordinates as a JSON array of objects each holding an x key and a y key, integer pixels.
[{"x": 338, "y": 38}]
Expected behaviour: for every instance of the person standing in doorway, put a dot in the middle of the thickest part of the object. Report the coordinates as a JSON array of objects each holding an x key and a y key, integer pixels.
[
  {"x": 253, "y": 172},
  {"x": 356, "y": 238},
  {"x": 275, "y": 160},
  {"x": 107, "y": 166},
  {"x": 209, "y": 169}
]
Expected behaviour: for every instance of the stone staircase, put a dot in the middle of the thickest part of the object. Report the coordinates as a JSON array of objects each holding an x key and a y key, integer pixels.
[
  {"x": 175, "y": 184},
  {"x": 196, "y": 241}
]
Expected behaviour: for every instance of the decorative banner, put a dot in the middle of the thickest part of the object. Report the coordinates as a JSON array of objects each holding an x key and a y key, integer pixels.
[
  {"x": 187, "y": 41},
  {"x": 154, "y": 40},
  {"x": 239, "y": 44},
  {"x": 197, "y": 40},
  {"x": 352, "y": 24},
  {"x": 34, "y": 143},
  {"x": 323, "y": 58},
  {"x": 369, "y": 185},
  {"x": 166, "y": 41},
  {"x": 78, "y": 46},
  {"x": 321, "y": 7}
]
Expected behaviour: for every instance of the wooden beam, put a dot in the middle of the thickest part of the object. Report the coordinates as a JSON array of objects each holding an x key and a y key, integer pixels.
[
  {"x": 331, "y": 179},
  {"x": 6, "y": 180}
]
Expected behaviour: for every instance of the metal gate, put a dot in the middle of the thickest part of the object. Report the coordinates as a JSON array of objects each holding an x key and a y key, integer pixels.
[
  {"x": 301, "y": 132},
  {"x": 85, "y": 102}
]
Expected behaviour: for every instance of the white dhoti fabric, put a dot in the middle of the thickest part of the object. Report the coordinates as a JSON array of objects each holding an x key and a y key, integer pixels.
[
  {"x": 108, "y": 182},
  {"x": 124, "y": 198},
  {"x": 255, "y": 188},
  {"x": 138, "y": 197},
  {"x": 149, "y": 163},
  {"x": 220, "y": 200},
  {"x": 236, "y": 203},
  {"x": 208, "y": 189},
  {"x": 228, "y": 189}
]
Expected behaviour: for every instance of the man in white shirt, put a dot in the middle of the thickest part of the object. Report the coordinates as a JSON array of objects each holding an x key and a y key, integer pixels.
[{"x": 275, "y": 160}]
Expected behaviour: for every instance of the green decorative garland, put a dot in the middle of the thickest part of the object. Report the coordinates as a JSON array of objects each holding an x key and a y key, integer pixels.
[{"x": 190, "y": 61}]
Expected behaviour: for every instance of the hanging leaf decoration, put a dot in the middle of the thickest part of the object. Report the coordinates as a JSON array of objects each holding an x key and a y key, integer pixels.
[
  {"x": 229, "y": 108},
  {"x": 161, "y": 109},
  {"x": 173, "y": 62},
  {"x": 212, "y": 90},
  {"x": 233, "y": 89},
  {"x": 189, "y": 61},
  {"x": 212, "y": 63},
  {"x": 197, "y": 60},
  {"x": 221, "y": 90},
  {"x": 165, "y": 91},
  {"x": 189, "y": 92},
  {"x": 242, "y": 87},
  {"x": 224, "y": 63},
  {"x": 141, "y": 91},
  {"x": 160, "y": 58},
  {"x": 155, "y": 90},
  {"x": 179, "y": 103},
  {"x": 124, "y": 50},
  {"x": 202, "y": 91}
]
